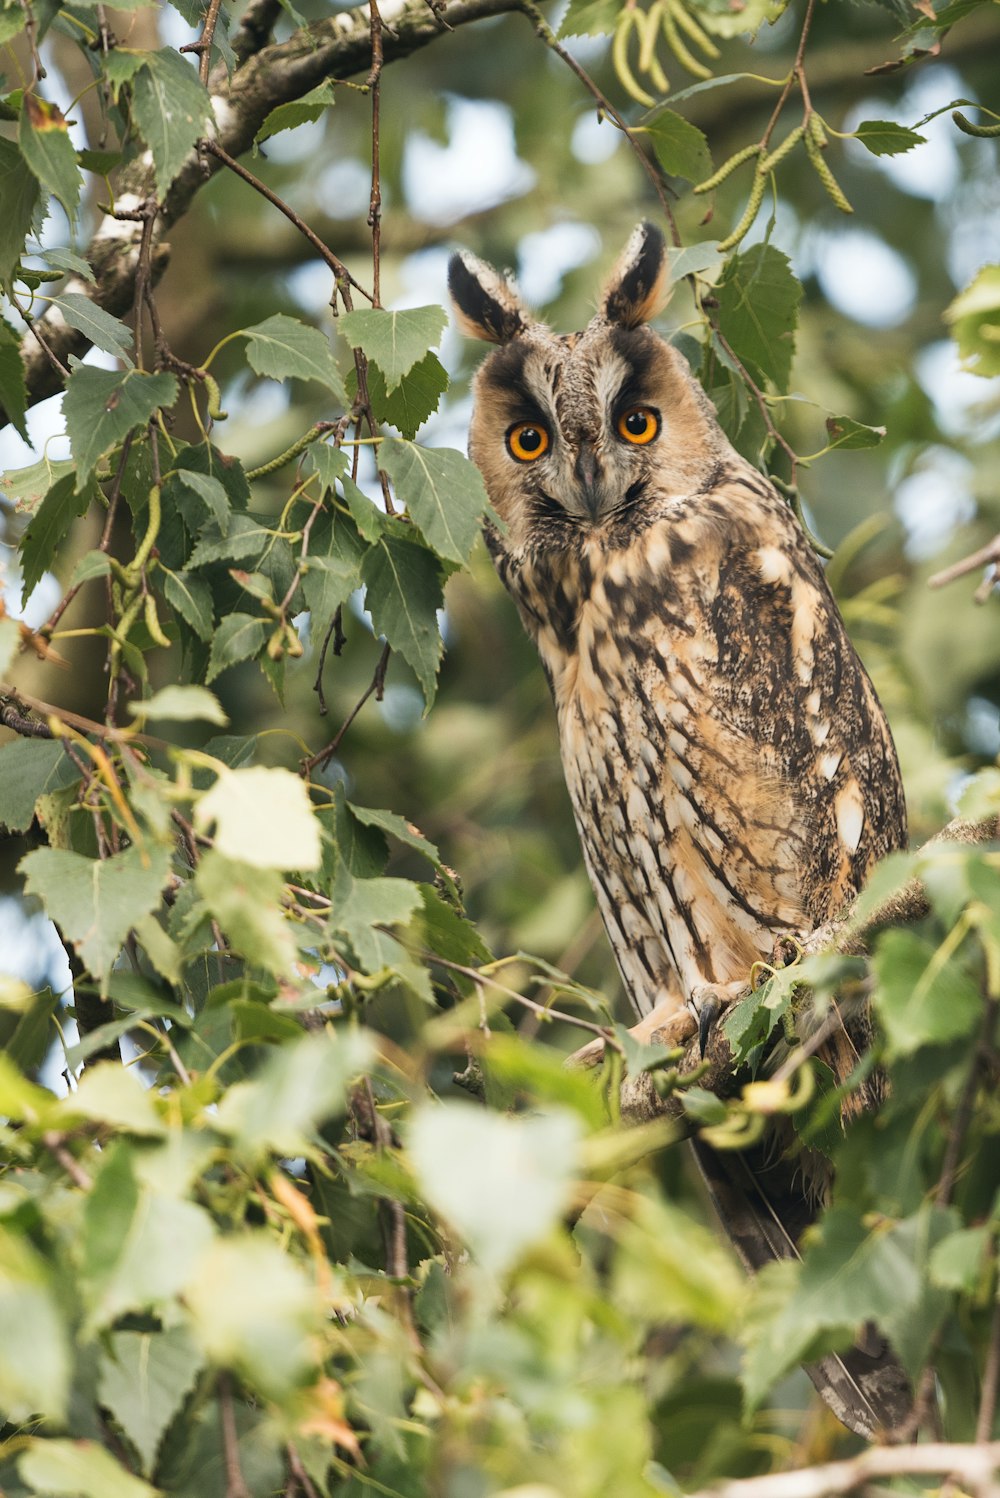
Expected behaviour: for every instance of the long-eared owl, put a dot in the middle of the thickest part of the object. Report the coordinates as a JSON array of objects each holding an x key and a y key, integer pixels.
[{"x": 730, "y": 768}]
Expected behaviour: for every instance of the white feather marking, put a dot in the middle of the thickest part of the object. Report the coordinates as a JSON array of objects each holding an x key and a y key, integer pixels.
[
  {"x": 830, "y": 764},
  {"x": 850, "y": 810}
]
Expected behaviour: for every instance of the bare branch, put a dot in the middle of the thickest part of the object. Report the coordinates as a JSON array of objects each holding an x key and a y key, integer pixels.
[{"x": 975, "y": 1466}]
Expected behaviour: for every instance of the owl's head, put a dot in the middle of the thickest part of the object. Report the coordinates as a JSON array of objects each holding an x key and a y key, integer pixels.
[{"x": 586, "y": 429}]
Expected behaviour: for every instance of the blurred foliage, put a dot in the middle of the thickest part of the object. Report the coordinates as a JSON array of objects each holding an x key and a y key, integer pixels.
[{"x": 342, "y": 1222}]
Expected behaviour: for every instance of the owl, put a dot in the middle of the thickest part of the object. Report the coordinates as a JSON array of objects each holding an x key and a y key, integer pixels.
[{"x": 730, "y": 768}]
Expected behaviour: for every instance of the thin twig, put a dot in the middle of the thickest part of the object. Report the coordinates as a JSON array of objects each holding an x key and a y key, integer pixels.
[
  {"x": 56, "y": 1145},
  {"x": 986, "y": 556},
  {"x": 235, "y": 1482},
  {"x": 991, "y": 1381},
  {"x": 336, "y": 265},
  {"x": 376, "y": 686}
]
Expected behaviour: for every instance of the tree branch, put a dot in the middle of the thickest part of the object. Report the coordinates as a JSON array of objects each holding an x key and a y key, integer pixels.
[
  {"x": 269, "y": 76},
  {"x": 975, "y": 1466}
]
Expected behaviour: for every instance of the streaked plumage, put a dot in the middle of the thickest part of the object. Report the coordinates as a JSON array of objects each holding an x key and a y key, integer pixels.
[{"x": 731, "y": 771}]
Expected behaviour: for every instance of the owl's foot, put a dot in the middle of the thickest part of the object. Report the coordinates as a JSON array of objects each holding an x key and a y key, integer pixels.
[
  {"x": 670, "y": 1023},
  {"x": 708, "y": 1001}
]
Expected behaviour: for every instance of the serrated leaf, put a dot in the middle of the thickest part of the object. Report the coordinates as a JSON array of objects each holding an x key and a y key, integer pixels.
[
  {"x": 590, "y": 18},
  {"x": 844, "y": 431},
  {"x": 49, "y": 527},
  {"x": 181, "y": 704},
  {"x": 263, "y": 817},
  {"x": 958, "y": 1260},
  {"x": 209, "y": 491},
  {"x": 34, "y": 1347},
  {"x": 191, "y": 597},
  {"x": 172, "y": 109},
  {"x": 282, "y": 347},
  {"x": 104, "y": 331},
  {"x": 238, "y": 637},
  {"x": 975, "y": 322},
  {"x": 245, "y": 540},
  {"x": 96, "y": 903},
  {"x": 397, "y": 827},
  {"x": 121, "y": 65},
  {"x": 403, "y": 595},
  {"x": 680, "y": 147},
  {"x": 694, "y": 259},
  {"x": 102, "y": 406},
  {"x": 919, "y": 1001},
  {"x": 443, "y": 492},
  {"x": 417, "y": 396},
  {"x": 303, "y": 111},
  {"x": 725, "y": 19},
  {"x": 885, "y": 138},
  {"x": 70, "y": 262},
  {"x": 45, "y": 145},
  {"x": 91, "y": 565},
  {"x": 360, "y": 905},
  {"x": 78, "y": 1469},
  {"x": 365, "y": 513},
  {"x": 27, "y": 486},
  {"x": 110, "y": 1094},
  {"x": 395, "y": 341},
  {"x": 758, "y": 311},
  {"x": 143, "y": 1381},
  {"x": 333, "y": 570},
  {"x": 246, "y": 902},
  {"x": 254, "y": 1309},
  {"x": 30, "y": 768},
  {"x": 502, "y": 1183},
  {"x": 18, "y": 194},
  {"x": 300, "y": 1086},
  {"x": 13, "y": 391}
]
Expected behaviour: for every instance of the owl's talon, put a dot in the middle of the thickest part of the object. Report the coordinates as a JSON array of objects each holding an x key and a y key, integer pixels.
[{"x": 709, "y": 1013}]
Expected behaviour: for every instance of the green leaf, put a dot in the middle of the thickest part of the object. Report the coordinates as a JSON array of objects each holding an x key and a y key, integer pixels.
[
  {"x": 300, "y": 1086},
  {"x": 30, "y": 768},
  {"x": 172, "y": 109},
  {"x": 13, "y": 392},
  {"x": 253, "y": 1309},
  {"x": 77, "y": 1469},
  {"x": 191, "y": 597},
  {"x": 670, "y": 1267},
  {"x": 102, "y": 406},
  {"x": 958, "y": 1260},
  {"x": 263, "y": 817},
  {"x": 403, "y": 583},
  {"x": 34, "y": 1350},
  {"x": 333, "y": 570},
  {"x": 181, "y": 704},
  {"x": 360, "y": 905},
  {"x": 680, "y": 147},
  {"x": 18, "y": 194},
  {"x": 92, "y": 564},
  {"x": 104, "y": 331},
  {"x": 144, "y": 1379},
  {"x": 975, "y": 322},
  {"x": 502, "y": 1183},
  {"x": 208, "y": 490},
  {"x": 26, "y": 486},
  {"x": 245, "y": 540},
  {"x": 590, "y": 18},
  {"x": 238, "y": 637},
  {"x": 844, "y": 431},
  {"x": 365, "y": 513},
  {"x": 94, "y": 902},
  {"x": 49, "y": 527},
  {"x": 396, "y": 341},
  {"x": 694, "y": 259},
  {"x": 282, "y": 347},
  {"x": 397, "y": 827},
  {"x": 45, "y": 144},
  {"x": 443, "y": 492},
  {"x": 758, "y": 311},
  {"x": 297, "y": 111},
  {"x": 110, "y": 1094},
  {"x": 884, "y": 138},
  {"x": 417, "y": 397},
  {"x": 121, "y": 65},
  {"x": 70, "y": 262},
  {"x": 246, "y": 902},
  {"x": 919, "y": 999},
  {"x": 725, "y": 19}
]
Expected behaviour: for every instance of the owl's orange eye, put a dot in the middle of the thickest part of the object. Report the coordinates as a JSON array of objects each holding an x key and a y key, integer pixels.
[
  {"x": 526, "y": 441},
  {"x": 640, "y": 424}
]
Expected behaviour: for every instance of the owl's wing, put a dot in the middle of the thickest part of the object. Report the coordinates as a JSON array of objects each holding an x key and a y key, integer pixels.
[{"x": 763, "y": 1201}]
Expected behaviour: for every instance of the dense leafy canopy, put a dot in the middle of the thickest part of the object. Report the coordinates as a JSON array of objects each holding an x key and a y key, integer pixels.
[{"x": 297, "y": 1194}]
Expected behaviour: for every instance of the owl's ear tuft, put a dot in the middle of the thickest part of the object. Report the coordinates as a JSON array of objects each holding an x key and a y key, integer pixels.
[
  {"x": 486, "y": 304},
  {"x": 639, "y": 285}
]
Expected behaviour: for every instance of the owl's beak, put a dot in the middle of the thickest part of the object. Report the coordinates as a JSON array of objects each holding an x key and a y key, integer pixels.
[{"x": 588, "y": 474}]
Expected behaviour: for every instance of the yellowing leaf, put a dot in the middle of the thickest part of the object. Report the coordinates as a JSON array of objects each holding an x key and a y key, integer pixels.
[{"x": 263, "y": 817}]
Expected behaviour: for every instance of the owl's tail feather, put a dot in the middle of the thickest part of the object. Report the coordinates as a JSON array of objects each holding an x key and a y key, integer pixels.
[{"x": 765, "y": 1204}]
